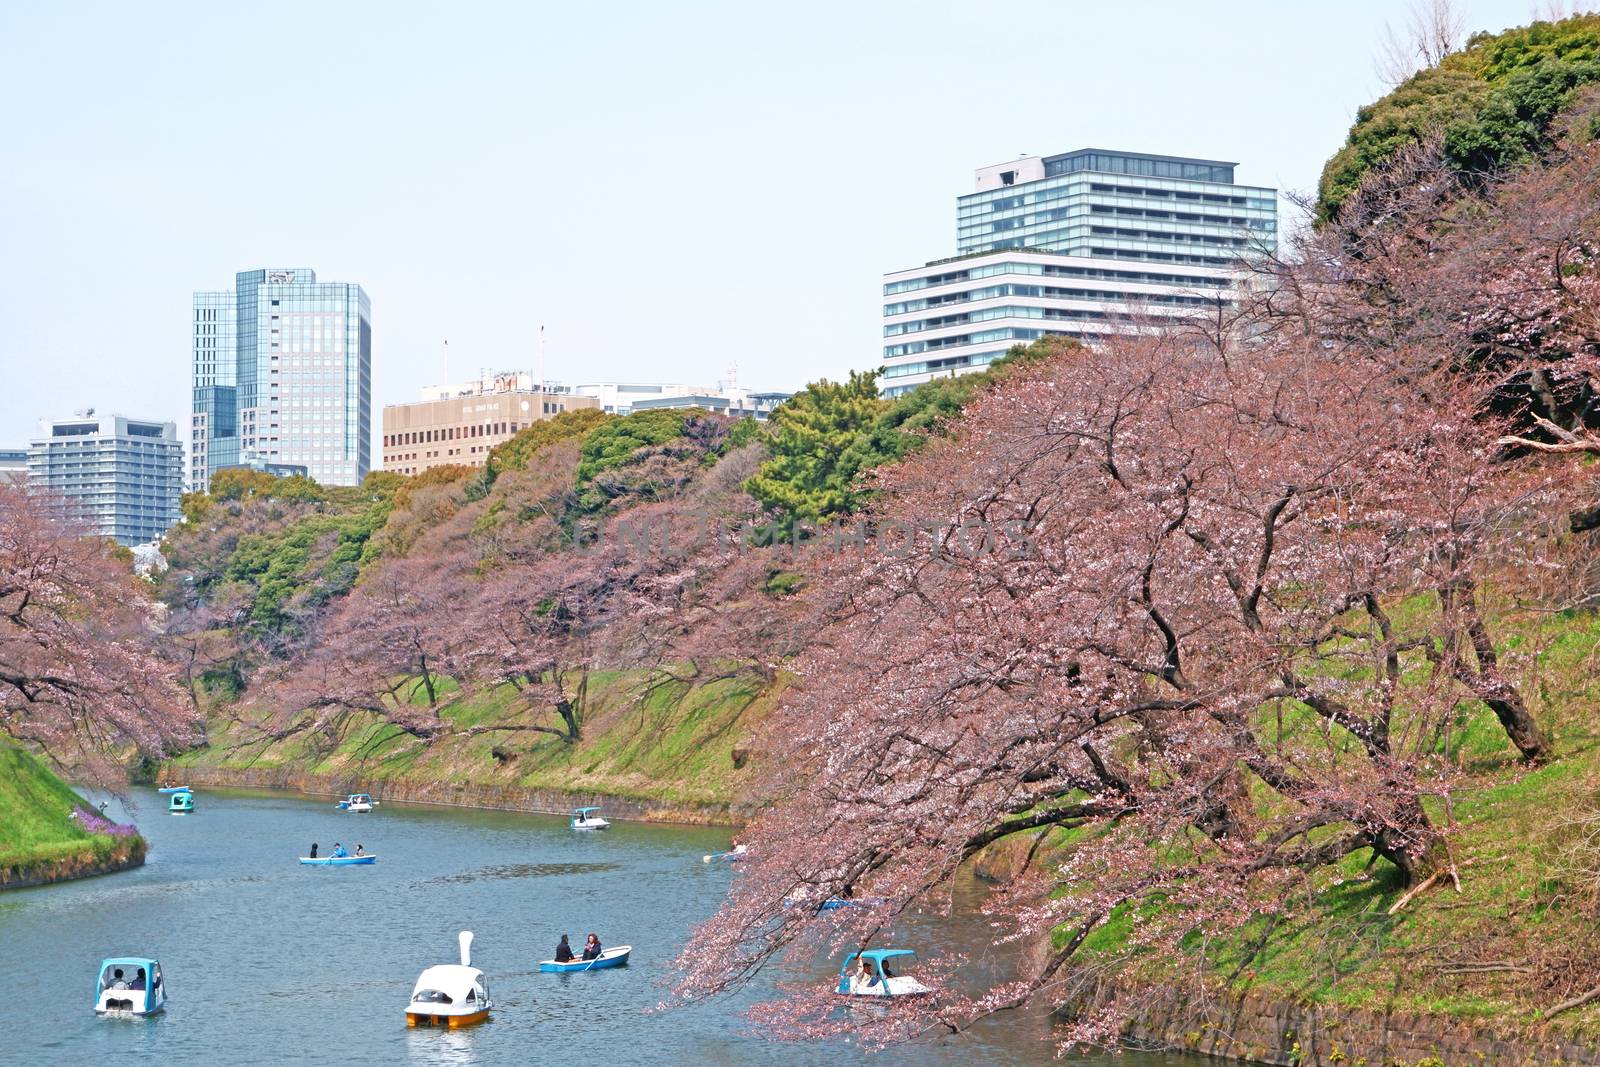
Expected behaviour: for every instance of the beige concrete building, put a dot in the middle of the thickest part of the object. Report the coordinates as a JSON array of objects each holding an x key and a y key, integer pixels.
[{"x": 462, "y": 429}]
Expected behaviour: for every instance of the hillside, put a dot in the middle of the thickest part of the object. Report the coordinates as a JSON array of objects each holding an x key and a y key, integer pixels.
[
  {"x": 668, "y": 747},
  {"x": 40, "y": 840}
]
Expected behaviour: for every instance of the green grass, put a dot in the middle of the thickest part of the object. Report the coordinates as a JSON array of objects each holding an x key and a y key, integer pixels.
[
  {"x": 35, "y": 823},
  {"x": 645, "y": 736},
  {"x": 1532, "y": 927}
]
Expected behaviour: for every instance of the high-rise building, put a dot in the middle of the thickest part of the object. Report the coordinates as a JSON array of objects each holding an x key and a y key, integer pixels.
[
  {"x": 13, "y": 466},
  {"x": 122, "y": 476},
  {"x": 459, "y": 424},
  {"x": 1085, "y": 244},
  {"x": 282, "y": 376}
]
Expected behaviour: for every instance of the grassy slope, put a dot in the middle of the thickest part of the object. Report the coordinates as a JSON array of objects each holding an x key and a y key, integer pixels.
[
  {"x": 673, "y": 742},
  {"x": 35, "y": 807},
  {"x": 1522, "y": 935}
]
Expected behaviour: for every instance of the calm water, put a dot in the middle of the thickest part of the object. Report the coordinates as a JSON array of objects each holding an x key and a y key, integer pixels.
[{"x": 269, "y": 962}]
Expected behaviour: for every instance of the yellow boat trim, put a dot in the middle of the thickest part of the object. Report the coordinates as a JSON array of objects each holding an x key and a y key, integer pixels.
[{"x": 451, "y": 1021}]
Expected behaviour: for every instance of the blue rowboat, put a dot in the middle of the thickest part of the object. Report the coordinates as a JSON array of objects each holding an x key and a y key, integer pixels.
[
  {"x": 833, "y": 903},
  {"x": 173, "y": 789},
  {"x": 337, "y": 861},
  {"x": 611, "y": 957}
]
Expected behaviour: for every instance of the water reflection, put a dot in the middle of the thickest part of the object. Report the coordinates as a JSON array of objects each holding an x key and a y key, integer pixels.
[{"x": 521, "y": 870}]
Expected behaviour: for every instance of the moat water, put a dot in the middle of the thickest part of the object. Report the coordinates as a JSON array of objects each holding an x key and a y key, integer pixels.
[{"x": 270, "y": 962}]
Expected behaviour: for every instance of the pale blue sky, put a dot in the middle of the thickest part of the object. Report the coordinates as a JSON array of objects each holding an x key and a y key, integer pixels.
[{"x": 669, "y": 187}]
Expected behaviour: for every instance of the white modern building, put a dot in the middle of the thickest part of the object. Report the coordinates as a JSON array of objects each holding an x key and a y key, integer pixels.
[
  {"x": 1083, "y": 244},
  {"x": 123, "y": 476},
  {"x": 727, "y": 398}
]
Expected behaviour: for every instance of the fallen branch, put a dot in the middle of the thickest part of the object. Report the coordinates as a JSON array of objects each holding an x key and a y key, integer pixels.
[
  {"x": 1403, "y": 901},
  {"x": 1576, "y": 1002}
]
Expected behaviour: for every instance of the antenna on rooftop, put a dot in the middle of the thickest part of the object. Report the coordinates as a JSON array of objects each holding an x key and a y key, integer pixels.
[{"x": 541, "y": 359}]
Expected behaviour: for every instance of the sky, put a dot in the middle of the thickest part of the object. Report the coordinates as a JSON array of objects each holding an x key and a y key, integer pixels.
[{"x": 670, "y": 189}]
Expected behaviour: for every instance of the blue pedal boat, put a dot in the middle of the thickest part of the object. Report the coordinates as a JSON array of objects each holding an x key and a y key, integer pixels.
[
  {"x": 873, "y": 978},
  {"x": 357, "y": 802},
  {"x": 181, "y": 803},
  {"x": 611, "y": 957},
  {"x": 587, "y": 819},
  {"x": 338, "y": 861},
  {"x": 129, "y": 985}
]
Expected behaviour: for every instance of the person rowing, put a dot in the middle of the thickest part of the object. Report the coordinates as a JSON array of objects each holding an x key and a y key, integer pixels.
[{"x": 564, "y": 950}]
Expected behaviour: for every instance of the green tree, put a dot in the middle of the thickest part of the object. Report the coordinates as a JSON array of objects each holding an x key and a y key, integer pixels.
[
  {"x": 815, "y": 452},
  {"x": 1494, "y": 101},
  {"x": 516, "y": 453}
]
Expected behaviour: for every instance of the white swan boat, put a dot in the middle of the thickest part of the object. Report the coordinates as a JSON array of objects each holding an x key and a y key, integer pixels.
[
  {"x": 451, "y": 994},
  {"x": 873, "y": 978}
]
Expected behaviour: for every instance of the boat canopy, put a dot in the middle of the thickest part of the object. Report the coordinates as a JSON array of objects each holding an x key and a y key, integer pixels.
[
  {"x": 448, "y": 980},
  {"x": 583, "y": 811},
  {"x": 126, "y": 961},
  {"x": 876, "y": 956},
  {"x": 359, "y": 796}
]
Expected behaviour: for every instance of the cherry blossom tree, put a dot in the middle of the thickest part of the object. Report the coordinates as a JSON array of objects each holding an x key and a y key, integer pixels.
[
  {"x": 1149, "y": 596},
  {"x": 80, "y": 672}
]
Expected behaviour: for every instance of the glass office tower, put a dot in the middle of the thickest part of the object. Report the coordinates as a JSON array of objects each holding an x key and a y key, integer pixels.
[
  {"x": 1086, "y": 244},
  {"x": 282, "y": 376}
]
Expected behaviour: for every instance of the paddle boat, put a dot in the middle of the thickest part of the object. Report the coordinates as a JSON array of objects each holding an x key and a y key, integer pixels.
[
  {"x": 173, "y": 789},
  {"x": 130, "y": 985},
  {"x": 833, "y": 903},
  {"x": 611, "y": 957},
  {"x": 733, "y": 855},
  {"x": 451, "y": 994},
  {"x": 586, "y": 819},
  {"x": 357, "y": 802},
  {"x": 879, "y": 981},
  {"x": 180, "y": 803},
  {"x": 338, "y": 861}
]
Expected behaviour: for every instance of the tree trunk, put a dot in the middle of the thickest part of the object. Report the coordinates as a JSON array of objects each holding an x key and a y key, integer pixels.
[
  {"x": 1488, "y": 683},
  {"x": 1414, "y": 846}
]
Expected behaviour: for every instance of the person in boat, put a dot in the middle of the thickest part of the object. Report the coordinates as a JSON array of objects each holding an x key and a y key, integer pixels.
[
  {"x": 138, "y": 980},
  {"x": 117, "y": 981},
  {"x": 864, "y": 976},
  {"x": 313, "y": 850},
  {"x": 591, "y": 948},
  {"x": 359, "y": 850},
  {"x": 564, "y": 950},
  {"x": 338, "y": 851}
]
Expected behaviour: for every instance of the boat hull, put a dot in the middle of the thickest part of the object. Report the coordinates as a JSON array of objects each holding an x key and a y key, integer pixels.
[
  {"x": 338, "y": 861},
  {"x": 611, "y": 957},
  {"x": 453, "y": 1022},
  {"x": 119, "y": 1003},
  {"x": 591, "y": 824}
]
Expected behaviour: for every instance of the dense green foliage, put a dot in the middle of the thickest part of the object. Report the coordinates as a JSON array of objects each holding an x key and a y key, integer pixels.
[
  {"x": 824, "y": 439},
  {"x": 1493, "y": 101},
  {"x": 284, "y": 563},
  {"x": 515, "y": 453},
  {"x": 281, "y": 549},
  {"x": 617, "y": 443},
  {"x": 814, "y": 468}
]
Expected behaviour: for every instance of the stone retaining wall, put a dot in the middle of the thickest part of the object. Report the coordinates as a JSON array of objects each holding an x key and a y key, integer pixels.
[
  {"x": 1258, "y": 1029},
  {"x": 121, "y": 859},
  {"x": 458, "y": 794}
]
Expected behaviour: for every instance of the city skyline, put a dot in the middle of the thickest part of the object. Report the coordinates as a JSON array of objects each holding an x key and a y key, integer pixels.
[{"x": 476, "y": 195}]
